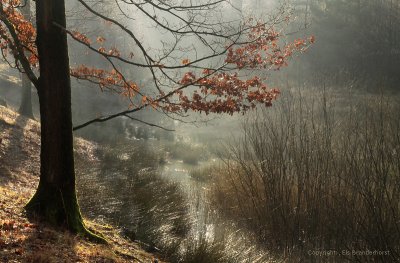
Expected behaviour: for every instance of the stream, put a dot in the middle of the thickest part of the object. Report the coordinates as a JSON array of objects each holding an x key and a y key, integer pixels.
[
  {"x": 195, "y": 191},
  {"x": 238, "y": 244},
  {"x": 134, "y": 196}
]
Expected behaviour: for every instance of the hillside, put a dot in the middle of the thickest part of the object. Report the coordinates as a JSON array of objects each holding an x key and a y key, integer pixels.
[{"x": 23, "y": 240}]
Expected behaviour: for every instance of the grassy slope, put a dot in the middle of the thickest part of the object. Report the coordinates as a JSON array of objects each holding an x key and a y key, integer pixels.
[{"x": 22, "y": 240}]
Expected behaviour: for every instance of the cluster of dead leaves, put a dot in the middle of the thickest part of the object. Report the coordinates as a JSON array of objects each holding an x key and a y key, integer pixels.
[{"x": 13, "y": 234}]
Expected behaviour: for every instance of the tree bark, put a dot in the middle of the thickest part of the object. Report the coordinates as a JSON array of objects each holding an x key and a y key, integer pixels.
[{"x": 55, "y": 200}]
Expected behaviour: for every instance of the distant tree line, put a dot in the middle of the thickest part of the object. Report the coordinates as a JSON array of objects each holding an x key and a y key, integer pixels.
[{"x": 355, "y": 39}]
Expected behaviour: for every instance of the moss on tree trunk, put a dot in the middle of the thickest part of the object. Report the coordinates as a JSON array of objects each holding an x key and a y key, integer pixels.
[{"x": 59, "y": 207}]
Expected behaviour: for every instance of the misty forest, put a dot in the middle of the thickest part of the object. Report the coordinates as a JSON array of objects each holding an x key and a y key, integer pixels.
[{"x": 200, "y": 131}]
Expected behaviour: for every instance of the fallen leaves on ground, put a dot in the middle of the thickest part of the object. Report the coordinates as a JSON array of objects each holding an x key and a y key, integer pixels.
[{"x": 22, "y": 240}]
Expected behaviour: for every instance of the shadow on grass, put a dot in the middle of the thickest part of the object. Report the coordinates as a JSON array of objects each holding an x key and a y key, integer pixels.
[{"x": 12, "y": 156}]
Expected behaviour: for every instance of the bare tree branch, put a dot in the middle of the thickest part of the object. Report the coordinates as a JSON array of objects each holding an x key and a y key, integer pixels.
[{"x": 17, "y": 47}]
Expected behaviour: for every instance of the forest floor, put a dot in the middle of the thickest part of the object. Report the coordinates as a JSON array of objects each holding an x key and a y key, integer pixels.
[{"x": 24, "y": 240}]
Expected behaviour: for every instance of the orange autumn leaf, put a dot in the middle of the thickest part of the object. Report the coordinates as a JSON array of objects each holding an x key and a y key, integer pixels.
[
  {"x": 185, "y": 61},
  {"x": 106, "y": 79},
  {"x": 100, "y": 40},
  {"x": 81, "y": 37}
]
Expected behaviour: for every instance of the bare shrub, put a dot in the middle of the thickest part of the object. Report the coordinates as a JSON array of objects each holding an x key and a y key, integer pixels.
[{"x": 317, "y": 174}]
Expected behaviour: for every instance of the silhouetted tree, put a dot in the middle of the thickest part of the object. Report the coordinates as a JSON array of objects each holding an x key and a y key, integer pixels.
[{"x": 25, "y": 107}]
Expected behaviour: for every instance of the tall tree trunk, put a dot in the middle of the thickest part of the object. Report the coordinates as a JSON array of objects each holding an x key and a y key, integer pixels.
[
  {"x": 55, "y": 200},
  {"x": 25, "y": 107}
]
